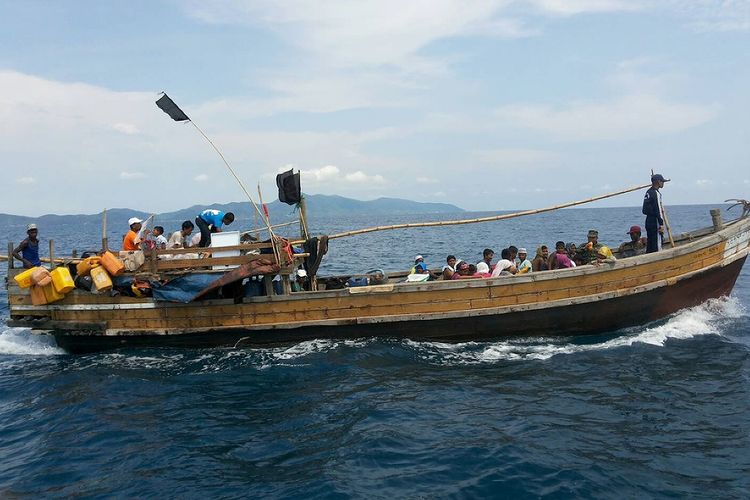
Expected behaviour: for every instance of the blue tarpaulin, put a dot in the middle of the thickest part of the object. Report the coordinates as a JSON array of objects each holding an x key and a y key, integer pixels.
[{"x": 184, "y": 288}]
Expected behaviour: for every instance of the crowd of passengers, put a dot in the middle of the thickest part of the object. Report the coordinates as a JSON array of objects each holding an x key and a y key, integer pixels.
[{"x": 514, "y": 261}]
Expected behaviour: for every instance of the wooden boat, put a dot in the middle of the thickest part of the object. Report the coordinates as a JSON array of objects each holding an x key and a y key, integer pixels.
[{"x": 588, "y": 299}]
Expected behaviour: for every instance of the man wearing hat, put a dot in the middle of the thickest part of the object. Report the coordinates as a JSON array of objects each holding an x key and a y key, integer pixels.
[
  {"x": 131, "y": 242},
  {"x": 419, "y": 266},
  {"x": 588, "y": 251},
  {"x": 28, "y": 250},
  {"x": 652, "y": 211},
  {"x": 636, "y": 245}
]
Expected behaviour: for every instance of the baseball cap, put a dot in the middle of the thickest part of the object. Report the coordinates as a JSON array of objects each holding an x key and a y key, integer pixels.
[
  {"x": 635, "y": 229},
  {"x": 301, "y": 273},
  {"x": 418, "y": 257},
  {"x": 133, "y": 220},
  {"x": 522, "y": 250},
  {"x": 30, "y": 227},
  {"x": 593, "y": 232},
  {"x": 658, "y": 177}
]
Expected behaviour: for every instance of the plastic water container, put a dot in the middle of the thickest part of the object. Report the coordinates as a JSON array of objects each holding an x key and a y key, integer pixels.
[
  {"x": 112, "y": 264},
  {"x": 86, "y": 265},
  {"x": 100, "y": 278},
  {"x": 51, "y": 294},
  {"x": 24, "y": 279},
  {"x": 38, "y": 298},
  {"x": 62, "y": 280},
  {"x": 41, "y": 277}
]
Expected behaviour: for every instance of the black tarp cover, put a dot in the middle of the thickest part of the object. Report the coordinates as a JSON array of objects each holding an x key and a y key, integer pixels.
[{"x": 290, "y": 190}]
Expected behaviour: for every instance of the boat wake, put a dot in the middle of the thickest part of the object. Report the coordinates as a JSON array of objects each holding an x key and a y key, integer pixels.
[
  {"x": 21, "y": 342},
  {"x": 709, "y": 318}
]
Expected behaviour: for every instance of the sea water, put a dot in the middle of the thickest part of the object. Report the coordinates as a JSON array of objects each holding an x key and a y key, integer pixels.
[{"x": 661, "y": 410}]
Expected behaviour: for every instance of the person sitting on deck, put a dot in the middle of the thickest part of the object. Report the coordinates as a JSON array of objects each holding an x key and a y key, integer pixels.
[
  {"x": 487, "y": 255},
  {"x": 132, "y": 242},
  {"x": 504, "y": 266},
  {"x": 28, "y": 250},
  {"x": 560, "y": 259},
  {"x": 587, "y": 251},
  {"x": 210, "y": 221},
  {"x": 540, "y": 259},
  {"x": 636, "y": 245},
  {"x": 572, "y": 250},
  {"x": 450, "y": 267},
  {"x": 604, "y": 254},
  {"x": 513, "y": 255},
  {"x": 180, "y": 239},
  {"x": 160, "y": 241},
  {"x": 483, "y": 270},
  {"x": 417, "y": 260},
  {"x": 524, "y": 264}
]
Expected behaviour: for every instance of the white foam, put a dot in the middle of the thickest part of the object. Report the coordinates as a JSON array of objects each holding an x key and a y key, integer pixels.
[
  {"x": 21, "y": 342},
  {"x": 706, "y": 319}
]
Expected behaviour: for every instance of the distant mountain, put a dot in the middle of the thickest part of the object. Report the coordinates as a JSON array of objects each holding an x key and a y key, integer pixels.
[{"x": 317, "y": 204}]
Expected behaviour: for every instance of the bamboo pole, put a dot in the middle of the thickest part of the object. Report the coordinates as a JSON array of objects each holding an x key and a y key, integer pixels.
[
  {"x": 43, "y": 259},
  {"x": 9, "y": 256},
  {"x": 272, "y": 236},
  {"x": 105, "y": 244},
  {"x": 485, "y": 219},
  {"x": 52, "y": 252},
  {"x": 666, "y": 221},
  {"x": 303, "y": 219}
]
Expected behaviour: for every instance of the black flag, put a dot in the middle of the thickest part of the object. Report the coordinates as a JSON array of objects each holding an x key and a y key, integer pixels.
[
  {"x": 290, "y": 191},
  {"x": 173, "y": 110}
]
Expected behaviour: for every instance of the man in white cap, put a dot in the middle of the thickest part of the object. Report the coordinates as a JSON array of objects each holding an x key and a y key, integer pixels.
[
  {"x": 28, "y": 250},
  {"x": 524, "y": 264},
  {"x": 419, "y": 266},
  {"x": 131, "y": 241}
]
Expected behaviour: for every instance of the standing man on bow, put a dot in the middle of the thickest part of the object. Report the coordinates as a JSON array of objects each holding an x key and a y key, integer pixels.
[{"x": 652, "y": 211}]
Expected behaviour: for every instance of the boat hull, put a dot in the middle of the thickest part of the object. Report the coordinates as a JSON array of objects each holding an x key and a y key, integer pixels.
[{"x": 606, "y": 315}]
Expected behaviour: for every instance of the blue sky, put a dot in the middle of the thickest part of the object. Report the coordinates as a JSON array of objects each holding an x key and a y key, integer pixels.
[{"x": 498, "y": 104}]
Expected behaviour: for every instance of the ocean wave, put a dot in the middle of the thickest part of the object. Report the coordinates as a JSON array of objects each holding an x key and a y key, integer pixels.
[
  {"x": 706, "y": 319},
  {"x": 21, "y": 342}
]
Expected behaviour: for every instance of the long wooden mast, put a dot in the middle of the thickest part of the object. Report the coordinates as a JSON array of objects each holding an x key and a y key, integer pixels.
[{"x": 485, "y": 219}]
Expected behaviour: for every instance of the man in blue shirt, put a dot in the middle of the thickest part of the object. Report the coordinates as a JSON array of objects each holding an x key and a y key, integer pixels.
[
  {"x": 28, "y": 251},
  {"x": 652, "y": 211},
  {"x": 210, "y": 221}
]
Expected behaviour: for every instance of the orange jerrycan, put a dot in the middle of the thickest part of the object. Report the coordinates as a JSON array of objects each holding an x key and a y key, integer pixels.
[
  {"x": 37, "y": 295},
  {"x": 86, "y": 265},
  {"x": 112, "y": 264}
]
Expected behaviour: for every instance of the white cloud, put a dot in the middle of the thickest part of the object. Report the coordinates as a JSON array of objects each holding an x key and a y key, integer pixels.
[
  {"x": 426, "y": 180},
  {"x": 703, "y": 182},
  {"x": 515, "y": 157},
  {"x": 571, "y": 7},
  {"x": 332, "y": 175},
  {"x": 713, "y": 15},
  {"x": 126, "y": 128},
  {"x": 624, "y": 118},
  {"x": 25, "y": 180},
  {"x": 200, "y": 178},
  {"x": 131, "y": 176},
  {"x": 360, "y": 177}
]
